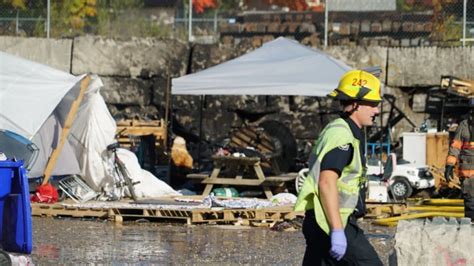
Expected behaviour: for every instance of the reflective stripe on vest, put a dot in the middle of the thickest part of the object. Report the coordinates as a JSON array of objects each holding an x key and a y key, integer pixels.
[
  {"x": 467, "y": 146},
  {"x": 335, "y": 134}
]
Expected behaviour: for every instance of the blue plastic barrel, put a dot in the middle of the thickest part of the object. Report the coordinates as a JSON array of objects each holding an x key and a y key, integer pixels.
[
  {"x": 16, "y": 225},
  {"x": 6, "y": 175}
]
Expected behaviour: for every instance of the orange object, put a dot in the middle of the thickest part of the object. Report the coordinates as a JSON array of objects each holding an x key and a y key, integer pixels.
[
  {"x": 180, "y": 155},
  {"x": 45, "y": 194},
  {"x": 200, "y": 5}
]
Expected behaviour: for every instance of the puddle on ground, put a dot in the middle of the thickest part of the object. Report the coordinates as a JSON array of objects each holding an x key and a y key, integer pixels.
[
  {"x": 72, "y": 241},
  {"x": 75, "y": 241}
]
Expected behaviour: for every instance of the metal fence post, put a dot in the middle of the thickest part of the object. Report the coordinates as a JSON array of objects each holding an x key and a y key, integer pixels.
[
  {"x": 464, "y": 17},
  {"x": 326, "y": 23},
  {"x": 190, "y": 25},
  {"x": 17, "y": 22},
  {"x": 215, "y": 22},
  {"x": 48, "y": 19}
]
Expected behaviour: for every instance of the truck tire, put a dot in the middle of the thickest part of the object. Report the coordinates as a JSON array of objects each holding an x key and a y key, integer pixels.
[{"x": 401, "y": 189}]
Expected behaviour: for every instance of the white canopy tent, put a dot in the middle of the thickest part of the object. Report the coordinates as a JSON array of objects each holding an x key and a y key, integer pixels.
[{"x": 279, "y": 67}]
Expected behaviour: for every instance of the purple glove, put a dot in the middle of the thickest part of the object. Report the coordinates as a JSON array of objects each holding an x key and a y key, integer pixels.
[{"x": 338, "y": 244}]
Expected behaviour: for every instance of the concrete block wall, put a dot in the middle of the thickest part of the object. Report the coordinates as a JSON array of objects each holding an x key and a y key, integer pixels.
[
  {"x": 145, "y": 57},
  {"x": 55, "y": 53},
  {"x": 135, "y": 73},
  {"x": 423, "y": 66}
]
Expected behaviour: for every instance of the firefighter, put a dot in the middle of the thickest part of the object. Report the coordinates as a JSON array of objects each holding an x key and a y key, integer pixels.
[
  {"x": 333, "y": 194},
  {"x": 461, "y": 152}
]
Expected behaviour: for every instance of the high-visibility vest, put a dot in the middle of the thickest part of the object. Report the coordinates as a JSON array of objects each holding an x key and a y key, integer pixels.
[{"x": 335, "y": 134}]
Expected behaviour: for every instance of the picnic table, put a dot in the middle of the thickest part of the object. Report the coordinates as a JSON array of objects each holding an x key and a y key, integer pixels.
[{"x": 241, "y": 171}]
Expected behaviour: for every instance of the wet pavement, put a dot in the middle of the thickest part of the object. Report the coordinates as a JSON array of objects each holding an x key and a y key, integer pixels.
[{"x": 75, "y": 241}]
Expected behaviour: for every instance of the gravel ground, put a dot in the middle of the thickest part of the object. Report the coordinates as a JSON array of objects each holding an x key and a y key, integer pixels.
[{"x": 74, "y": 241}]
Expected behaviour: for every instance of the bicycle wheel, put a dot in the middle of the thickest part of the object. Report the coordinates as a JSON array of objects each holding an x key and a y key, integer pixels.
[{"x": 126, "y": 177}]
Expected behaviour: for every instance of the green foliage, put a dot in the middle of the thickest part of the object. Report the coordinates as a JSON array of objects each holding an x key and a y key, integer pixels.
[
  {"x": 17, "y": 4},
  {"x": 112, "y": 18},
  {"x": 125, "y": 18},
  {"x": 70, "y": 17},
  {"x": 403, "y": 6},
  {"x": 451, "y": 31},
  {"x": 229, "y": 5}
]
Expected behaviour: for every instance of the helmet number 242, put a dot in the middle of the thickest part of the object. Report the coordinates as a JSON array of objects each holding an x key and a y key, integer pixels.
[{"x": 359, "y": 82}]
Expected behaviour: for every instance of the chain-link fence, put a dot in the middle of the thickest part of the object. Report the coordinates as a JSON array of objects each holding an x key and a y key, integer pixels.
[
  {"x": 359, "y": 22},
  {"x": 400, "y": 23},
  {"x": 362, "y": 22},
  {"x": 29, "y": 18}
]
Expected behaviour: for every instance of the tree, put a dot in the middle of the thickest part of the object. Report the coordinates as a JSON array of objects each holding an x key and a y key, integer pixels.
[
  {"x": 69, "y": 17},
  {"x": 201, "y": 5},
  {"x": 17, "y": 4}
]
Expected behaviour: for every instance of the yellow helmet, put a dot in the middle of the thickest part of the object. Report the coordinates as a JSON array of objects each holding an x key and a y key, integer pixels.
[{"x": 358, "y": 85}]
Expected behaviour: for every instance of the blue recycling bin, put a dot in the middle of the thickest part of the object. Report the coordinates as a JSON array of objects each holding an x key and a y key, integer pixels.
[
  {"x": 6, "y": 175},
  {"x": 15, "y": 211}
]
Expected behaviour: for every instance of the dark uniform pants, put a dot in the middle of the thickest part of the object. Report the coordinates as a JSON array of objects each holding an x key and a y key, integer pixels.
[
  {"x": 359, "y": 250},
  {"x": 468, "y": 196}
]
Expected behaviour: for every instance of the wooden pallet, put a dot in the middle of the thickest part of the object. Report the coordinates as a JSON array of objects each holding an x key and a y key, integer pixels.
[
  {"x": 461, "y": 87},
  {"x": 54, "y": 210},
  {"x": 190, "y": 216},
  {"x": 383, "y": 210},
  {"x": 129, "y": 130},
  {"x": 234, "y": 215}
]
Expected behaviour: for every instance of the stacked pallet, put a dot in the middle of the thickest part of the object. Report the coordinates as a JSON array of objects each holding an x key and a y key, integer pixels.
[{"x": 130, "y": 131}]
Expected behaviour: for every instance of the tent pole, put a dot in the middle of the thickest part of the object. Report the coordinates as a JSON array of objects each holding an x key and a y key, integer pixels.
[
  {"x": 169, "y": 127},
  {"x": 66, "y": 128},
  {"x": 200, "y": 130},
  {"x": 167, "y": 111}
]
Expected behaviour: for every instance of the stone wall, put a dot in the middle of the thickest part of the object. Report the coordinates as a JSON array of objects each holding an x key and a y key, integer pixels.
[{"x": 136, "y": 71}]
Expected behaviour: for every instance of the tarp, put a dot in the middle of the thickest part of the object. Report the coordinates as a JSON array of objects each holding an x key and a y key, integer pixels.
[
  {"x": 279, "y": 67},
  {"x": 29, "y": 92},
  {"x": 34, "y": 103}
]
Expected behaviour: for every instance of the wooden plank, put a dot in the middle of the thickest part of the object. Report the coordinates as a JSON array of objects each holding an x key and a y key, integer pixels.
[
  {"x": 65, "y": 131},
  {"x": 197, "y": 176},
  {"x": 233, "y": 181},
  {"x": 279, "y": 178},
  {"x": 58, "y": 210},
  {"x": 140, "y": 123},
  {"x": 140, "y": 131},
  {"x": 437, "y": 145},
  {"x": 226, "y": 160}
]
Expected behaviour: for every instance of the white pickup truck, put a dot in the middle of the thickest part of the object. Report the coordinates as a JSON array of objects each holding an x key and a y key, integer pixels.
[{"x": 403, "y": 179}]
